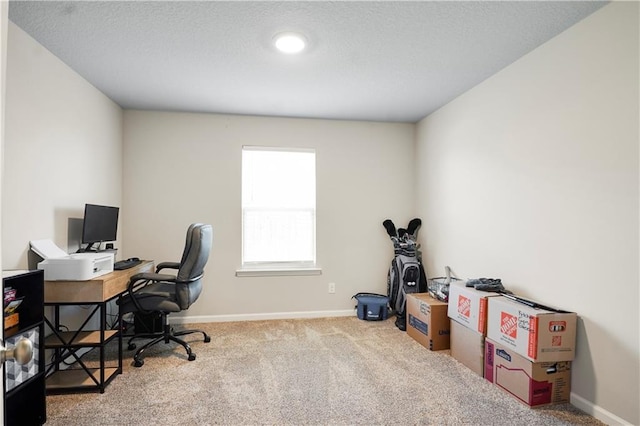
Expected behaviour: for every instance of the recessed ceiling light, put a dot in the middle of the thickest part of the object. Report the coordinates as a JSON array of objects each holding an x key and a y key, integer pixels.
[{"x": 290, "y": 42}]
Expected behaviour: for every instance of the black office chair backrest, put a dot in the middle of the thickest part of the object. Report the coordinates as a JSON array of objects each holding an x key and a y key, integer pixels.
[
  {"x": 187, "y": 243},
  {"x": 194, "y": 259}
]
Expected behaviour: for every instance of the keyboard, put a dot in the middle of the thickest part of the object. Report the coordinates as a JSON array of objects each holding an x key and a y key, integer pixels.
[{"x": 125, "y": 264}]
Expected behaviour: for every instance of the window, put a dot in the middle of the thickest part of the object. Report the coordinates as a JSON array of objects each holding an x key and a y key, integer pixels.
[{"x": 278, "y": 208}]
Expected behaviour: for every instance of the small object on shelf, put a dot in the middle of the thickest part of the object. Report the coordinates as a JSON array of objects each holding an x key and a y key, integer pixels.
[
  {"x": 9, "y": 295},
  {"x": 12, "y": 306},
  {"x": 11, "y": 320}
]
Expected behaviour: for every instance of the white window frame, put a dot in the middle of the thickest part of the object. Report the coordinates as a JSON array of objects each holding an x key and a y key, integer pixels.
[{"x": 274, "y": 268}]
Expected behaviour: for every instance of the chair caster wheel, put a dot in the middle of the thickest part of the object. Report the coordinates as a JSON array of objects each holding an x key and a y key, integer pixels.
[
  {"x": 131, "y": 346},
  {"x": 192, "y": 357},
  {"x": 138, "y": 363},
  {"x": 207, "y": 339}
]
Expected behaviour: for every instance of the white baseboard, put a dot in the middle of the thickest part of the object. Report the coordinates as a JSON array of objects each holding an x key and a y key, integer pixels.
[
  {"x": 596, "y": 411},
  {"x": 260, "y": 317}
]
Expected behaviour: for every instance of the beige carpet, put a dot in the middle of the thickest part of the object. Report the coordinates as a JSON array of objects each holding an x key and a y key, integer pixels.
[{"x": 332, "y": 371}]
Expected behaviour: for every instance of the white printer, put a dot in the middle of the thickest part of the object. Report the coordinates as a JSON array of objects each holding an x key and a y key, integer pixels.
[{"x": 60, "y": 266}]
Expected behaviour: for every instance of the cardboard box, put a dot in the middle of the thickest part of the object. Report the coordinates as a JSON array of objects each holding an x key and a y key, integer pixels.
[
  {"x": 427, "y": 321},
  {"x": 532, "y": 383},
  {"x": 468, "y": 306},
  {"x": 467, "y": 346},
  {"x": 537, "y": 334}
]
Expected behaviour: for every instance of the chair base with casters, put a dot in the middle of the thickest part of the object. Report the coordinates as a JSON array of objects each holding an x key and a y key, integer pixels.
[{"x": 168, "y": 335}]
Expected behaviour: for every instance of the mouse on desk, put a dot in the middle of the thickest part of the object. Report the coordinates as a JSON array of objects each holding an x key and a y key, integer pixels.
[{"x": 133, "y": 259}]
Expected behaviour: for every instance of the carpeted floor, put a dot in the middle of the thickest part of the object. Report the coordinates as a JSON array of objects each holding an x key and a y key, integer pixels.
[{"x": 330, "y": 371}]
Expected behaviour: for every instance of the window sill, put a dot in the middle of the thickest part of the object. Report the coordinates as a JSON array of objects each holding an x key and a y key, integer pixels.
[{"x": 255, "y": 272}]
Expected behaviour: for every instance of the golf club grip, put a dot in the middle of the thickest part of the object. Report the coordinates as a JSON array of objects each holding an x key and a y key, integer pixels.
[{"x": 530, "y": 303}]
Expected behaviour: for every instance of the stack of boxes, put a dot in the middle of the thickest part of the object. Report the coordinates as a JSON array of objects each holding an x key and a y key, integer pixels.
[
  {"x": 468, "y": 312},
  {"x": 528, "y": 351},
  {"x": 524, "y": 350}
]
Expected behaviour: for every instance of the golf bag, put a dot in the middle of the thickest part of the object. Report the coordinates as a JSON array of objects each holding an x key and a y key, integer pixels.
[{"x": 406, "y": 274}]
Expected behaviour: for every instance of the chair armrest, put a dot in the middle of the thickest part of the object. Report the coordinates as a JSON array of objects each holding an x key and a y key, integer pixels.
[
  {"x": 139, "y": 281},
  {"x": 151, "y": 276},
  {"x": 167, "y": 265}
]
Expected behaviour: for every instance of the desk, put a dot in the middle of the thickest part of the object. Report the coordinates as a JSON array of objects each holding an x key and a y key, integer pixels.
[{"x": 94, "y": 293}]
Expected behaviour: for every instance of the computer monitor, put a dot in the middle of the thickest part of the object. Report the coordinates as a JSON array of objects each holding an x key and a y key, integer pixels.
[{"x": 100, "y": 225}]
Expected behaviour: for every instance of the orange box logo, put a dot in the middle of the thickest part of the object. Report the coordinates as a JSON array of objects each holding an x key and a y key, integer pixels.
[
  {"x": 508, "y": 324},
  {"x": 464, "y": 306},
  {"x": 556, "y": 341}
]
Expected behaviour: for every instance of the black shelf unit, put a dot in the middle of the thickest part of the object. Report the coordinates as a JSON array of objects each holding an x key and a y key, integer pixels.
[{"x": 24, "y": 395}]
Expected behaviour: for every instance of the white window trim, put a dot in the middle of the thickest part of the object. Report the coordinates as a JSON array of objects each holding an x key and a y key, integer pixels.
[{"x": 278, "y": 272}]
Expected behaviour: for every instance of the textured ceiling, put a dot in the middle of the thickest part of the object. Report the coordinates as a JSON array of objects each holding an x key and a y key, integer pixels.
[{"x": 378, "y": 61}]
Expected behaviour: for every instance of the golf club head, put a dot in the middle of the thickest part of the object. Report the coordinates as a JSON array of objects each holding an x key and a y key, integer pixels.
[
  {"x": 390, "y": 227},
  {"x": 412, "y": 228}
]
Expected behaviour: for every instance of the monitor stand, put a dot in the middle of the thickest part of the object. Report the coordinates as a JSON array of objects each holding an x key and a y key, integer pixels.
[{"x": 91, "y": 249}]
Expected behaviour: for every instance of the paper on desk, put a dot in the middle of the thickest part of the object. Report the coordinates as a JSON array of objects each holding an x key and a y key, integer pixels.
[{"x": 46, "y": 249}]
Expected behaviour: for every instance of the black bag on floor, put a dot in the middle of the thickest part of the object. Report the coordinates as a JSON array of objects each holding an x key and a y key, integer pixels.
[{"x": 406, "y": 274}]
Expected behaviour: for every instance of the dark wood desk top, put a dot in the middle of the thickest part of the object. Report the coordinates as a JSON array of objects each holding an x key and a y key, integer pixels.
[{"x": 97, "y": 290}]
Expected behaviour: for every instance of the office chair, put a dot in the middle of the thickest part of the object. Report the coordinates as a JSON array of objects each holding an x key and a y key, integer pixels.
[{"x": 165, "y": 293}]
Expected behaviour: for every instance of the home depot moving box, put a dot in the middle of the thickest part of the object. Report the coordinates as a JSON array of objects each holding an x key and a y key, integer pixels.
[
  {"x": 427, "y": 321},
  {"x": 533, "y": 383},
  {"x": 468, "y": 306},
  {"x": 467, "y": 346},
  {"x": 537, "y": 334}
]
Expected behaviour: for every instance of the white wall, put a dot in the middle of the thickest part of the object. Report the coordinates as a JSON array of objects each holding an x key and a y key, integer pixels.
[
  {"x": 63, "y": 148},
  {"x": 181, "y": 168},
  {"x": 532, "y": 177}
]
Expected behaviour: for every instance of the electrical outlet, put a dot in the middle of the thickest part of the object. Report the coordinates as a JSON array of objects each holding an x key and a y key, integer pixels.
[{"x": 332, "y": 288}]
